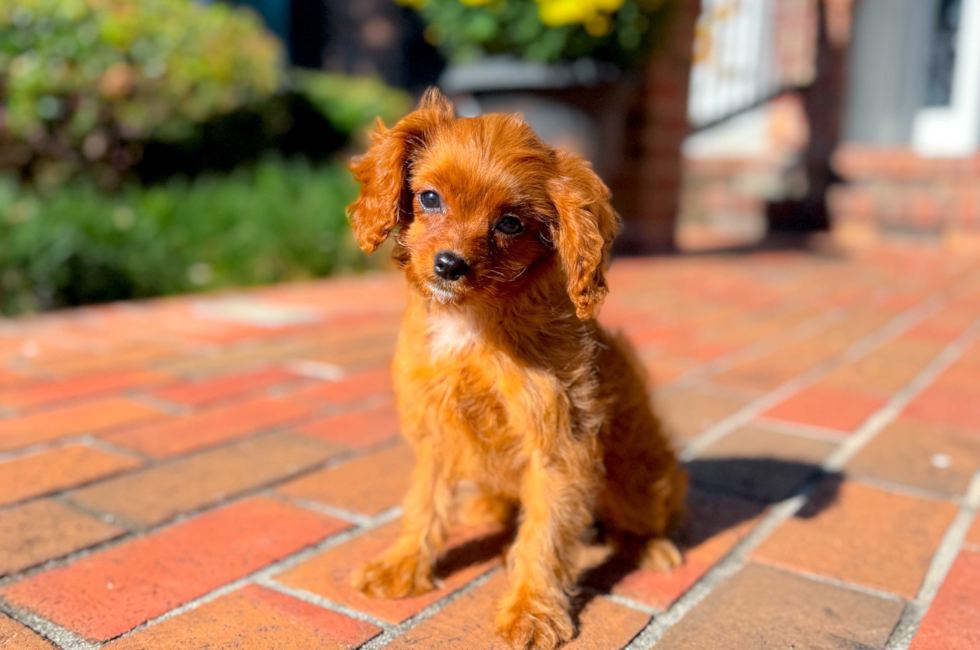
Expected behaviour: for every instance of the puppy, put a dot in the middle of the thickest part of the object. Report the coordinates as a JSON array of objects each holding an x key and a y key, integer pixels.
[{"x": 504, "y": 380}]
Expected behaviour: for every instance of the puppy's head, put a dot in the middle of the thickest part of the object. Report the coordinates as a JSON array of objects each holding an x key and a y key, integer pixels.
[{"x": 477, "y": 202}]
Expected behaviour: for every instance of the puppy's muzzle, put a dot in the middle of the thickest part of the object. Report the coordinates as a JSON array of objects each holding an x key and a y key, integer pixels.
[{"x": 450, "y": 266}]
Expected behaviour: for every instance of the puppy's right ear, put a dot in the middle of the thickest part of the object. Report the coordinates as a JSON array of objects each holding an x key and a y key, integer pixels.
[{"x": 383, "y": 170}]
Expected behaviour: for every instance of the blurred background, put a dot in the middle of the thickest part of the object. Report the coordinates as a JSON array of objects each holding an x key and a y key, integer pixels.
[{"x": 155, "y": 147}]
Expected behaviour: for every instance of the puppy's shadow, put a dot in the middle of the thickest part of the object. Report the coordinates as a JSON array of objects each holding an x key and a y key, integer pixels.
[
  {"x": 725, "y": 493},
  {"x": 473, "y": 552}
]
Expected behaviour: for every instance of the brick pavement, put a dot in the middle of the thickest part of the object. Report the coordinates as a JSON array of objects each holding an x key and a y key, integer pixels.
[{"x": 205, "y": 471}]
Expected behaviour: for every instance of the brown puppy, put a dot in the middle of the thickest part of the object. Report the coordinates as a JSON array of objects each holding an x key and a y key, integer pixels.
[{"x": 503, "y": 377}]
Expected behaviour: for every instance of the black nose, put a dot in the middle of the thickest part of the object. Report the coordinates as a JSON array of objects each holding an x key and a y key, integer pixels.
[{"x": 450, "y": 266}]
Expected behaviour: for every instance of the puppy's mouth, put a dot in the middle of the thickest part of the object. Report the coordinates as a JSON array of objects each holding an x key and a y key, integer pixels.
[{"x": 442, "y": 294}]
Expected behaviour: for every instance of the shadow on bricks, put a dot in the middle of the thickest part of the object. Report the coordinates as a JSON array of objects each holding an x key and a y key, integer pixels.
[
  {"x": 763, "y": 480},
  {"x": 474, "y": 552},
  {"x": 740, "y": 489}
]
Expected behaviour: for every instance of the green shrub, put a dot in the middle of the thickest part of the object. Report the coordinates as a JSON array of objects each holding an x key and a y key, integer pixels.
[
  {"x": 82, "y": 80},
  {"x": 99, "y": 85},
  {"x": 350, "y": 103},
  {"x": 271, "y": 222}
]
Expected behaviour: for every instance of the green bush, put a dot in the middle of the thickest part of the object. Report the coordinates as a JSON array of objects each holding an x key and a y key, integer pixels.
[
  {"x": 81, "y": 80},
  {"x": 91, "y": 85},
  {"x": 266, "y": 223}
]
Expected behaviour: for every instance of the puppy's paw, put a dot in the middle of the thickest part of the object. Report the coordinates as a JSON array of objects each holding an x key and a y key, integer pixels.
[
  {"x": 661, "y": 555},
  {"x": 394, "y": 576},
  {"x": 527, "y": 626}
]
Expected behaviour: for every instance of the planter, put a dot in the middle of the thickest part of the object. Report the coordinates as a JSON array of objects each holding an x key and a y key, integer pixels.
[{"x": 582, "y": 106}]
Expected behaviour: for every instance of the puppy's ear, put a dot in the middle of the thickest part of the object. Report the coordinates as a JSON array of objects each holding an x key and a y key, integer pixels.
[
  {"x": 587, "y": 225},
  {"x": 383, "y": 170}
]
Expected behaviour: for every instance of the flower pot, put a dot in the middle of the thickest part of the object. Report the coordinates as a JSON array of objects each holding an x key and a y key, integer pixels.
[{"x": 581, "y": 106}]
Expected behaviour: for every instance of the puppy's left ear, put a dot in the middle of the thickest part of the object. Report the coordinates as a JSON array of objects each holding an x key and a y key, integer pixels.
[{"x": 586, "y": 228}]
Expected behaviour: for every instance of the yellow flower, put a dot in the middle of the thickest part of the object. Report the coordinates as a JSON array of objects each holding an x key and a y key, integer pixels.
[
  {"x": 475, "y": 3},
  {"x": 609, "y": 6},
  {"x": 556, "y": 13}
]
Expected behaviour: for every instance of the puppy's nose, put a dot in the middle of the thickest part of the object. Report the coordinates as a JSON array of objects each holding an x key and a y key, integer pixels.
[{"x": 450, "y": 266}]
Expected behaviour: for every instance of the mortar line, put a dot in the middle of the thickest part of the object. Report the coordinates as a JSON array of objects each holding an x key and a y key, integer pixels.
[
  {"x": 65, "y": 495},
  {"x": 892, "y": 329},
  {"x": 737, "y": 557},
  {"x": 905, "y": 490},
  {"x": 942, "y": 561},
  {"x": 801, "y": 430},
  {"x": 729, "y": 565},
  {"x": 267, "y": 572},
  {"x": 58, "y": 635},
  {"x": 625, "y": 601},
  {"x": 391, "y": 634},
  {"x": 883, "y": 416},
  {"x": 136, "y": 531},
  {"x": 851, "y": 586},
  {"x": 320, "y": 601},
  {"x": 811, "y": 326}
]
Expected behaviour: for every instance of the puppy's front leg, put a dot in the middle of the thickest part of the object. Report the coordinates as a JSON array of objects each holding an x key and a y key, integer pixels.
[
  {"x": 406, "y": 568},
  {"x": 555, "y": 501}
]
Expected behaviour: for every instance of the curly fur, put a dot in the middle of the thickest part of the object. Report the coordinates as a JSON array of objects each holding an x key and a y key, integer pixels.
[{"x": 504, "y": 379}]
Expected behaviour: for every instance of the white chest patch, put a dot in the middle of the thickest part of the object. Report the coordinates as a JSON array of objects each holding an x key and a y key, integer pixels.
[{"x": 452, "y": 331}]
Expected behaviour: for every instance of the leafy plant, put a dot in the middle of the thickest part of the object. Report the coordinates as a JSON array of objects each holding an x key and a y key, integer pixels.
[
  {"x": 82, "y": 80},
  {"x": 90, "y": 84},
  {"x": 620, "y": 31},
  {"x": 271, "y": 222}
]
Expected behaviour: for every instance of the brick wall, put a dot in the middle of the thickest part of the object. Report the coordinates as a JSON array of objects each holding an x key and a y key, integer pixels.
[
  {"x": 893, "y": 192},
  {"x": 648, "y": 191}
]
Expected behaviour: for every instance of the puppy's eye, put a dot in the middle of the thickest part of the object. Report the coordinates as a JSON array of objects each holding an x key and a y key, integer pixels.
[
  {"x": 510, "y": 225},
  {"x": 430, "y": 200}
]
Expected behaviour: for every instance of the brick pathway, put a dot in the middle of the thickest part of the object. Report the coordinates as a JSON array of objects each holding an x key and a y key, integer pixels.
[{"x": 205, "y": 472}]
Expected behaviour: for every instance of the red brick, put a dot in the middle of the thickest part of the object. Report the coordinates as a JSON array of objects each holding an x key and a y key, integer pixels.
[
  {"x": 215, "y": 389},
  {"x": 368, "y": 485},
  {"x": 953, "y": 620},
  {"x": 689, "y": 412},
  {"x": 328, "y": 574},
  {"x": 760, "y": 374},
  {"x": 209, "y": 428},
  {"x": 107, "y": 593},
  {"x": 158, "y": 493},
  {"x": 973, "y": 537},
  {"x": 945, "y": 326},
  {"x": 357, "y": 429},
  {"x": 14, "y": 636},
  {"x": 823, "y": 406},
  {"x": 62, "y": 390},
  {"x": 349, "y": 390},
  {"x": 41, "y": 530},
  {"x": 923, "y": 455},
  {"x": 761, "y": 607},
  {"x": 468, "y": 623},
  {"x": 887, "y": 369},
  {"x": 51, "y": 471},
  {"x": 665, "y": 368},
  {"x": 94, "y": 417},
  {"x": 959, "y": 376},
  {"x": 956, "y": 407},
  {"x": 252, "y": 618},
  {"x": 862, "y": 535},
  {"x": 713, "y": 526}
]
